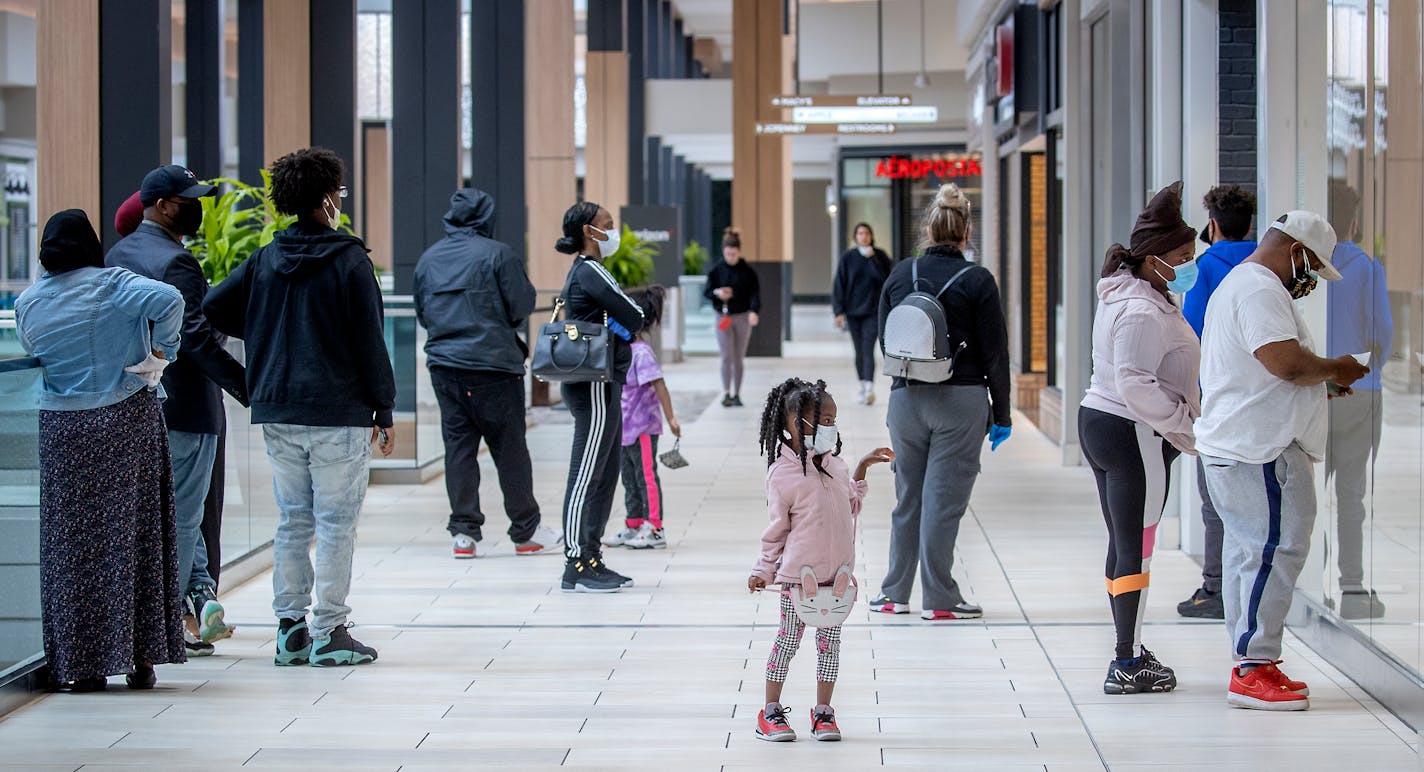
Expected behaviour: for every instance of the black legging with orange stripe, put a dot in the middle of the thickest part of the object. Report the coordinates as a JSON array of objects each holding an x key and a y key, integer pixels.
[{"x": 1133, "y": 467}]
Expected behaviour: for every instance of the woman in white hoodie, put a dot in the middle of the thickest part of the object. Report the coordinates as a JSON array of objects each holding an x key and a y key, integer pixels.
[{"x": 1137, "y": 416}]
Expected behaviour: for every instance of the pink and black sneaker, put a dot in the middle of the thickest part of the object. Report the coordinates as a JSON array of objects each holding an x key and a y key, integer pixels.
[
  {"x": 884, "y": 605},
  {"x": 956, "y": 612},
  {"x": 773, "y": 726}
]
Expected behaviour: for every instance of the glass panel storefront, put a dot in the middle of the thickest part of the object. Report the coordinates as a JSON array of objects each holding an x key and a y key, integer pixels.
[{"x": 1367, "y": 560}]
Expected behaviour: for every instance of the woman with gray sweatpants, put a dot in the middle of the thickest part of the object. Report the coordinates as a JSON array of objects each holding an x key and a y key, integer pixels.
[
  {"x": 735, "y": 292},
  {"x": 937, "y": 429}
]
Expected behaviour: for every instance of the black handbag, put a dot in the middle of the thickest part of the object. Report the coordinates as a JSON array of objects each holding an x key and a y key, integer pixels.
[{"x": 572, "y": 351}]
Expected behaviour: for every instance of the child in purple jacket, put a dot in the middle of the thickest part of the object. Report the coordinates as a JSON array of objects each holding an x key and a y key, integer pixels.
[{"x": 813, "y": 499}]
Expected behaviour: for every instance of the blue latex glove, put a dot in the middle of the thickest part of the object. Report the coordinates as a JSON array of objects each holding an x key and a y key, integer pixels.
[
  {"x": 997, "y": 435},
  {"x": 619, "y": 330}
]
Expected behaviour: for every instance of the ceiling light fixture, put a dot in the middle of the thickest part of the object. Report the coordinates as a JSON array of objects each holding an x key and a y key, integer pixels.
[{"x": 923, "y": 79}]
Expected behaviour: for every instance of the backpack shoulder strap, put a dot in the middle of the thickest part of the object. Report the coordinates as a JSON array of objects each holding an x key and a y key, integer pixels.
[
  {"x": 915, "y": 275},
  {"x": 953, "y": 279}
]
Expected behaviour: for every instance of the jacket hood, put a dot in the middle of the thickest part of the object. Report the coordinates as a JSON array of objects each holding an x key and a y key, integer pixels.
[
  {"x": 470, "y": 208},
  {"x": 302, "y": 250},
  {"x": 1123, "y": 286}
]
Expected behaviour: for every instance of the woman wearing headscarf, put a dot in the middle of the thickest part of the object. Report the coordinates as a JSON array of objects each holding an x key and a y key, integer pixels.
[
  {"x": 855, "y": 299},
  {"x": 1137, "y": 416},
  {"x": 108, "y": 549}
]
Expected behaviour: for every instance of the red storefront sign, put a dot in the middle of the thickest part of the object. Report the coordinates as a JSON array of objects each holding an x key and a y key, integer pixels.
[{"x": 899, "y": 168}]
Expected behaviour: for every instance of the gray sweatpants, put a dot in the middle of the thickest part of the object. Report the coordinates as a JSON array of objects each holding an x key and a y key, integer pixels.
[
  {"x": 1354, "y": 442},
  {"x": 1267, "y": 512},
  {"x": 937, "y": 433}
]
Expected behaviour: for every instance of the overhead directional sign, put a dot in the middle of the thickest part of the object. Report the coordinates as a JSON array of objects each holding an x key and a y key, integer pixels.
[
  {"x": 841, "y": 100},
  {"x": 889, "y": 114},
  {"x": 794, "y": 129}
]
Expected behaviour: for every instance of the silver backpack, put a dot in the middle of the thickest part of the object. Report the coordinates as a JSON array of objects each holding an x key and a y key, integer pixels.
[{"x": 916, "y": 342}]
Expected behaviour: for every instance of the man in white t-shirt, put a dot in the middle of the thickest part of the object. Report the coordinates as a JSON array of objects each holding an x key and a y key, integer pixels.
[{"x": 1262, "y": 429}]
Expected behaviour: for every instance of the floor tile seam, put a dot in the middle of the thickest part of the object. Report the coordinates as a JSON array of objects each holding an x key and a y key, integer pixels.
[
  {"x": 1349, "y": 692},
  {"x": 989, "y": 542}
]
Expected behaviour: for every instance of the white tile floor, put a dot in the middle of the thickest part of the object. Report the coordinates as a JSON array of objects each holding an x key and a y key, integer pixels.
[{"x": 486, "y": 664}]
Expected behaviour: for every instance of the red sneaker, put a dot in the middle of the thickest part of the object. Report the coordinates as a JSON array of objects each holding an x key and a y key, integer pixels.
[
  {"x": 823, "y": 725},
  {"x": 774, "y": 727},
  {"x": 1298, "y": 687},
  {"x": 1263, "y": 687}
]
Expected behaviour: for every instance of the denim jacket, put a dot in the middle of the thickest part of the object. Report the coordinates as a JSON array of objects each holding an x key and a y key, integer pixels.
[{"x": 86, "y": 325}]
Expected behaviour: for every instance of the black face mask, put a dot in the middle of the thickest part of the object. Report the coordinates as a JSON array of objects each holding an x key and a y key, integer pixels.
[
  {"x": 189, "y": 218},
  {"x": 1206, "y": 234}
]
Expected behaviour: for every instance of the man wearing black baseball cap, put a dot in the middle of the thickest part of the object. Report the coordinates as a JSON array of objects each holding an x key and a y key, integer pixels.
[{"x": 194, "y": 382}]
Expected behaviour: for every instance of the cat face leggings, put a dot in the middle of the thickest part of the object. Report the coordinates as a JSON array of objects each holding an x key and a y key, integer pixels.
[
  {"x": 1133, "y": 466},
  {"x": 733, "y": 342}
]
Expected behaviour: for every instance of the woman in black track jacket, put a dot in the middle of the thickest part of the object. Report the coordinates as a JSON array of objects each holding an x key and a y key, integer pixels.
[{"x": 592, "y": 295}]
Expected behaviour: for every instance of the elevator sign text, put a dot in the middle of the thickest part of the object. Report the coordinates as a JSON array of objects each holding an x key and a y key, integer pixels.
[{"x": 898, "y": 168}]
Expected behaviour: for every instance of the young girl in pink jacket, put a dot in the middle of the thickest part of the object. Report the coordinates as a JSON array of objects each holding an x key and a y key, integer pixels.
[{"x": 813, "y": 500}]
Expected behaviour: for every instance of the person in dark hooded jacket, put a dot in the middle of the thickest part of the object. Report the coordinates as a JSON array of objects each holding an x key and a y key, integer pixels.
[
  {"x": 320, "y": 381},
  {"x": 471, "y": 294}
]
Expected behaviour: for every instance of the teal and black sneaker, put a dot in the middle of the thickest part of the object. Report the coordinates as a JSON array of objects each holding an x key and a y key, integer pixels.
[
  {"x": 340, "y": 648},
  {"x": 294, "y": 643},
  {"x": 202, "y": 603}
]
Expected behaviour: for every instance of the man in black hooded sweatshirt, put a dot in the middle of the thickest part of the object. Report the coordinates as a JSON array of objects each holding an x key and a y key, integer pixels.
[
  {"x": 471, "y": 293},
  {"x": 309, "y": 308}
]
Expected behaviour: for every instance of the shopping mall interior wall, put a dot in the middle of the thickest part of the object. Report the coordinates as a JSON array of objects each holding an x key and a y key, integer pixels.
[{"x": 815, "y": 258}]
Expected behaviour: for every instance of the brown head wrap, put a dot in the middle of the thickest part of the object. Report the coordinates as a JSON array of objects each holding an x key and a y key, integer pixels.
[{"x": 1159, "y": 230}]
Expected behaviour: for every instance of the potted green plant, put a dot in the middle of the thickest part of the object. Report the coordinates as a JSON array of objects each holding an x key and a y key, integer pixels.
[
  {"x": 632, "y": 264},
  {"x": 694, "y": 259}
]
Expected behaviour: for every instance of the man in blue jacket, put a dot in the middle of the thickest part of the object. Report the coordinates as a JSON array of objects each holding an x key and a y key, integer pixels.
[
  {"x": 471, "y": 294},
  {"x": 1230, "y": 209},
  {"x": 1358, "y": 321},
  {"x": 194, "y": 383}
]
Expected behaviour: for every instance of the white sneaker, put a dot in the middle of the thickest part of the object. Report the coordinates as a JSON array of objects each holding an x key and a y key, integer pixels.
[
  {"x": 868, "y": 388},
  {"x": 466, "y": 548},
  {"x": 647, "y": 537},
  {"x": 544, "y": 541},
  {"x": 860, "y": 394},
  {"x": 620, "y": 538}
]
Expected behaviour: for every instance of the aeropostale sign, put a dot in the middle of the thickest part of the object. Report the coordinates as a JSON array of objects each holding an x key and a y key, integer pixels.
[{"x": 899, "y": 168}]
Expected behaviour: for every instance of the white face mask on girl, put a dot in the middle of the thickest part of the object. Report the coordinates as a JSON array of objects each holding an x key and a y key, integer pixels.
[
  {"x": 609, "y": 245},
  {"x": 826, "y": 438}
]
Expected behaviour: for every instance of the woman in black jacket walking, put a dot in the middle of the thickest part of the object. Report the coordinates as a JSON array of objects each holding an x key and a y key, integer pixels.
[
  {"x": 735, "y": 292},
  {"x": 855, "y": 299},
  {"x": 937, "y": 429},
  {"x": 592, "y": 295}
]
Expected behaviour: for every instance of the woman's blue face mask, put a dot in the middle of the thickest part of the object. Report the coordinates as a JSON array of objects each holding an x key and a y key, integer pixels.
[{"x": 1186, "y": 276}]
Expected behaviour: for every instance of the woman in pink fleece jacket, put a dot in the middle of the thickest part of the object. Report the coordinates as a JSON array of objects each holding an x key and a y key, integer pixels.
[{"x": 813, "y": 501}]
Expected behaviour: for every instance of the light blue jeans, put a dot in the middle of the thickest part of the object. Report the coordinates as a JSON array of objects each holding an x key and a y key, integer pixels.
[
  {"x": 319, "y": 475},
  {"x": 193, "y": 456}
]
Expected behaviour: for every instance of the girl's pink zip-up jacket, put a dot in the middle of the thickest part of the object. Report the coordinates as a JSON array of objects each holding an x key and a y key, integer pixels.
[{"x": 812, "y": 518}]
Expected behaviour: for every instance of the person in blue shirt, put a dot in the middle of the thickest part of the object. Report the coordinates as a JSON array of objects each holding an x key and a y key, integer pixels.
[
  {"x": 1230, "y": 209},
  {"x": 1358, "y": 321},
  {"x": 108, "y": 548}
]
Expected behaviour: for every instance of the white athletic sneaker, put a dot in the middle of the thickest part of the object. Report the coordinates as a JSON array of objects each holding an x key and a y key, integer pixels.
[
  {"x": 620, "y": 538},
  {"x": 860, "y": 394},
  {"x": 869, "y": 389},
  {"x": 466, "y": 548},
  {"x": 545, "y": 541},
  {"x": 647, "y": 537}
]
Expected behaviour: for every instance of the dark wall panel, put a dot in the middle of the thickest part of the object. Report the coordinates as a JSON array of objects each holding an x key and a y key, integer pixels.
[
  {"x": 497, "y": 96},
  {"x": 135, "y": 99}
]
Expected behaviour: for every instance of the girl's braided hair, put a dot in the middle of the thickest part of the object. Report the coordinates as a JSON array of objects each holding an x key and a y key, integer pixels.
[{"x": 792, "y": 397}]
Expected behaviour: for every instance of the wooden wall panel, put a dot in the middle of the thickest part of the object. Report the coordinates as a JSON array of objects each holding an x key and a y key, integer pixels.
[
  {"x": 606, "y": 153},
  {"x": 286, "y": 82},
  {"x": 376, "y": 184},
  {"x": 67, "y": 68},
  {"x": 550, "y": 182}
]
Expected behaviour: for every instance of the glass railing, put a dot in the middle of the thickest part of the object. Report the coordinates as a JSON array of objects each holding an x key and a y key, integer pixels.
[{"x": 21, "y": 643}]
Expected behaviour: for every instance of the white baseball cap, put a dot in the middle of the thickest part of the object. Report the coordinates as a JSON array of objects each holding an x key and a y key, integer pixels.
[{"x": 1315, "y": 233}]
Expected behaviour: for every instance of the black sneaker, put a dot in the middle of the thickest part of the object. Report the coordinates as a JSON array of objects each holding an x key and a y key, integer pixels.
[
  {"x": 1202, "y": 605},
  {"x": 202, "y": 603},
  {"x": 1361, "y": 604},
  {"x": 727, "y": 400},
  {"x": 293, "y": 643},
  {"x": 142, "y": 678},
  {"x": 736, "y": 400},
  {"x": 579, "y": 576},
  {"x": 194, "y": 645},
  {"x": 340, "y": 648},
  {"x": 1140, "y": 674},
  {"x": 601, "y": 567}
]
